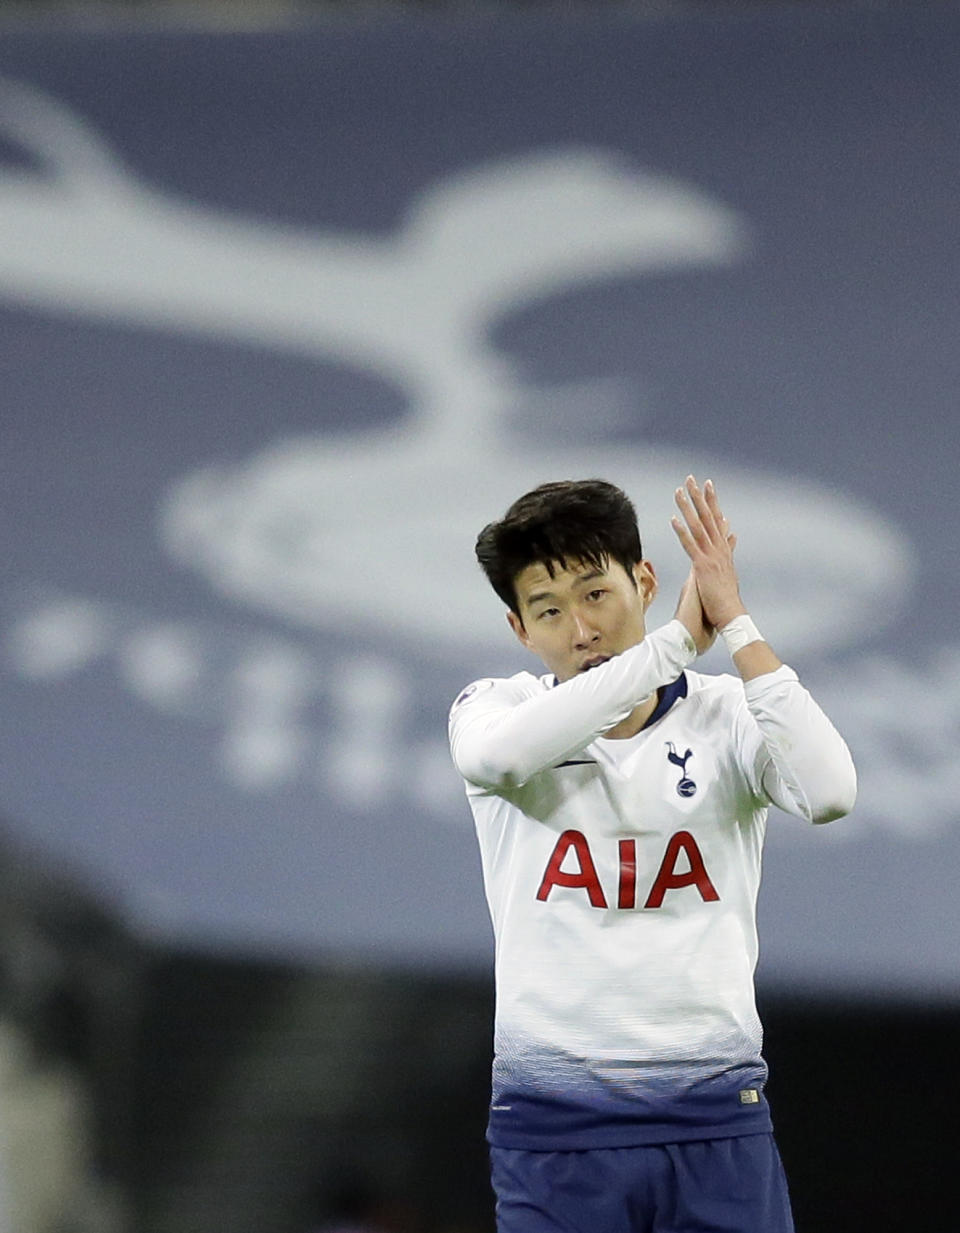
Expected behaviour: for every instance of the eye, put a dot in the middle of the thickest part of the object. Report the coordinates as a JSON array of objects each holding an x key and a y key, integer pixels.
[
  {"x": 548, "y": 612},
  {"x": 597, "y": 594}
]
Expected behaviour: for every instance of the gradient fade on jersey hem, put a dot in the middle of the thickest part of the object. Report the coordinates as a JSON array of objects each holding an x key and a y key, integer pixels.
[{"x": 539, "y": 1122}]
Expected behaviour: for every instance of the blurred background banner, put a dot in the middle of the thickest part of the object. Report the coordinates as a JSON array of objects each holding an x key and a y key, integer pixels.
[{"x": 286, "y": 317}]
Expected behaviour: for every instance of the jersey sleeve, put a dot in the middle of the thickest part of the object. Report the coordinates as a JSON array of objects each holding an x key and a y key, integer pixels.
[
  {"x": 501, "y": 733},
  {"x": 797, "y": 759}
]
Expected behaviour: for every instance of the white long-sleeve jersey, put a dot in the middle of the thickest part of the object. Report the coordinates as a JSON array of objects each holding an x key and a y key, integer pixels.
[{"x": 622, "y": 879}]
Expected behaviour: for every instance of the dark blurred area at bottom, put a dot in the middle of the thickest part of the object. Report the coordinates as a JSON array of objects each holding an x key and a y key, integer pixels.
[{"x": 206, "y": 1093}]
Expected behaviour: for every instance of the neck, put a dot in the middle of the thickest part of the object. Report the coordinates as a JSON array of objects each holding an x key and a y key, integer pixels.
[{"x": 634, "y": 721}]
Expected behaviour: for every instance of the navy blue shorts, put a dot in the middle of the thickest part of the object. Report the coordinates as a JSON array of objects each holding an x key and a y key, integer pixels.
[{"x": 731, "y": 1185}]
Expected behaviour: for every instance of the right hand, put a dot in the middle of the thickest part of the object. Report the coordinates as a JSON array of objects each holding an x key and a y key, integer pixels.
[
  {"x": 690, "y": 612},
  {"x": 705, "y": 535}
]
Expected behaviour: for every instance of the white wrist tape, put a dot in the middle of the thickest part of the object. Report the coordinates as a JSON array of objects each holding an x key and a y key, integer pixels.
[{"x": 740, "y": 632}]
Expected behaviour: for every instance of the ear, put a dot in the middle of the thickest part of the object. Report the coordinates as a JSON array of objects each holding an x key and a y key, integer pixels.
[
  {"x": 517, "y": 626},
  {"x": 645, "y": 577}
]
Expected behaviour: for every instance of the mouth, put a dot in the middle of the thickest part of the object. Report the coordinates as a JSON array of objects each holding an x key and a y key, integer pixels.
[{"x": 593, "y": 662}]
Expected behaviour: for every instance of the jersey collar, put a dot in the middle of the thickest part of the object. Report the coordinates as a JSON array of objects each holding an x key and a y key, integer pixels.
[{"x": 667, "y": 695}]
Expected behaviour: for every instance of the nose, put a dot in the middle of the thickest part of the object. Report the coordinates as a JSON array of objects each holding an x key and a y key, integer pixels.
[{"x": 583, "y": 631}]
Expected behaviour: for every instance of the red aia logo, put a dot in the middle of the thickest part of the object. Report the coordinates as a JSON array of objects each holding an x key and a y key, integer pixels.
[{"x": 668, "y": 877}]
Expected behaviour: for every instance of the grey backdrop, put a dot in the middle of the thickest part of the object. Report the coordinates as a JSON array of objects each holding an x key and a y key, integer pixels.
[{"x": 285, "y": 317}]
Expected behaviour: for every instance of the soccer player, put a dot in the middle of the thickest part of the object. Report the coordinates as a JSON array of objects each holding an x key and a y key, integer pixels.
[{"x": 620, "y": 802}]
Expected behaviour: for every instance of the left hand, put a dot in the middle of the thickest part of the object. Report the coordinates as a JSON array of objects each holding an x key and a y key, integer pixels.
[{"x": 705, "y": 535}]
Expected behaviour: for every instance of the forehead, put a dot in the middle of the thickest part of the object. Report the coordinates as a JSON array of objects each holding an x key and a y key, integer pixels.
[{"x": 536, "y": 580}]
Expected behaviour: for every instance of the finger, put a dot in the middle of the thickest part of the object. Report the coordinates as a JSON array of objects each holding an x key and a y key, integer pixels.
[
  {"x": 685, "y": 503},
  {"x": 710, "y": 495},
  {"x": 689, "y": 544},
  {"x": 703, "y": 507},
  {"x": 690, "y": 517}
]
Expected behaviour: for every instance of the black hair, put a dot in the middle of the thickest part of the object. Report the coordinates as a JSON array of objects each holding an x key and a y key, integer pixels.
[{"x": 569, "y": 520}]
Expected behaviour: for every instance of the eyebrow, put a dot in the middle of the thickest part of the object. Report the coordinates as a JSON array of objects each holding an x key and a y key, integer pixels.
[{"x": 539, "y": 596}]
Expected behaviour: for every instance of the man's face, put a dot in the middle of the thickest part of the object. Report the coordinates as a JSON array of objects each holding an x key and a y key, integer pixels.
[{"x": 582, "y": 615}]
